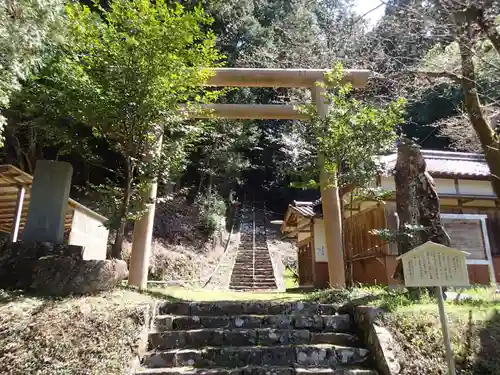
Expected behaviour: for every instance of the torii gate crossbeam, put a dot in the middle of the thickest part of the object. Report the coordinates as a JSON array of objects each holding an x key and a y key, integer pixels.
[{"x": 249, "y": 77}]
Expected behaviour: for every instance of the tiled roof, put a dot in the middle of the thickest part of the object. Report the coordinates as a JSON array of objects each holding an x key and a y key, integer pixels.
[
  {"x": 306, "y": 209},
  {"x": 446, "y": 164}
]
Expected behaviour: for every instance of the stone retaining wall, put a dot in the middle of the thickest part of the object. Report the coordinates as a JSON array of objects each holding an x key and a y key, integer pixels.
[
  {"x": 56, "y": 269},
  {"x": 385, "y": 350}
]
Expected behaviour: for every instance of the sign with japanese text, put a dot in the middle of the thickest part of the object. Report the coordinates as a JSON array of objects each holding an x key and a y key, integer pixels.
[
  {"x": 432, "y": 264},
  {"x": 320, "y": 241}
]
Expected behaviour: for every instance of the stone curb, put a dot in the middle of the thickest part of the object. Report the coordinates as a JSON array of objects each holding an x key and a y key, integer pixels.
[
  {"x": 141, "y": 344},
  {"x": 377, "y": 339}
]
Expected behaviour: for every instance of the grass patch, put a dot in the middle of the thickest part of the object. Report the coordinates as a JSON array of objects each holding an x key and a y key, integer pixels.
[
  {"x": 475, "y": 335},
  {"x": 474, "y": 320},
  {"x": 71, "y": 336},
  {"x": 289, "y": 279}
]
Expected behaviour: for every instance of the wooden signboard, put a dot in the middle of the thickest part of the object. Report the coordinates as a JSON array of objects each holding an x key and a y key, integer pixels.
[
  {"x": 466, "y": 235},
  {"x": 469, "y": 233},
  {"x": 435, "y": 265},
  {"x": 432, "y": 264}
]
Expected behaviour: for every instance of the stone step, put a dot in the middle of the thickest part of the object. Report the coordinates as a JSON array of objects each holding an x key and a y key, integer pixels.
[
  {"x": 258, "y": 264},
  {"x": 250, "y": 253},
  {"x": 303, "y": 355},
  {"x": 260, "y": 275},
  {"x": 236, "y": 286},
  {"x": 199, "y": 338},
  {"x": 254, "y": 288},
  {"x": 254, "y": 284},
  {"x": 262, "y": 370},
  {"x": 243, "y": 280},
  {"x": 250, "y": 272},
  {"x": 319, "y": 323},
  {"x": 232, "y": 308}
]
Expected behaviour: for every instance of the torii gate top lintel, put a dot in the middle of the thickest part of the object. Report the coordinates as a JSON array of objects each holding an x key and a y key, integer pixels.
[
  {"x": 250, "y": 77},
  {"x": 263, "y": 77}
]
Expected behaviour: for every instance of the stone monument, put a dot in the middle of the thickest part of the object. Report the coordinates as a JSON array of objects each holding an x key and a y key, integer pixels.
[
  {"x": 48, "y": 202},
  {"x": 42, "y": 262}
]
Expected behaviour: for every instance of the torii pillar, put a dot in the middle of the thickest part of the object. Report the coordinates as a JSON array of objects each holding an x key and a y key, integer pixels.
[{"x": 330, "y": 201}]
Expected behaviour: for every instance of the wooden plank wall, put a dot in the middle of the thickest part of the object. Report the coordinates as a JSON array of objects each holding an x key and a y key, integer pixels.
[
  {"x": 305, "y": 264},
  {"x": 363, "y": 243}
]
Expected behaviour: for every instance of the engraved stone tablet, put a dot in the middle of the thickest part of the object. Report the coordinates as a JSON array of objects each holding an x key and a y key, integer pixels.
[
  {"x": 432, "y": 264},
  {"x": 48, "y": 202}
]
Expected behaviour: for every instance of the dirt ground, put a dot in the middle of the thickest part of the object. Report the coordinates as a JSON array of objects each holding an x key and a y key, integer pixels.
[{"x": 71, "y": 336}]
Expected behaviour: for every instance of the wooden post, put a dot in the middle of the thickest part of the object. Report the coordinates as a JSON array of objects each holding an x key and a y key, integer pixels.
[
  {"x": 143, "y": 236},
  {"x": 446, "y": 333},
  {"x": 330, "y": 200},
  {"x": 14, "y": 232}
]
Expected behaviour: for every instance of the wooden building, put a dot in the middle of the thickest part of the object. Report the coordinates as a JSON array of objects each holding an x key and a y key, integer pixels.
[{"x": 469, "y": 211}]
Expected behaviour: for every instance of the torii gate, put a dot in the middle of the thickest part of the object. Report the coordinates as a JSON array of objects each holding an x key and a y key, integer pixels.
[{"x": 249, "y": 77}]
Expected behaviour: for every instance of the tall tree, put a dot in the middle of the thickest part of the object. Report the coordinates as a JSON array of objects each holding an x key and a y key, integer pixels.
[
  {"x": 28, "y": 29},
  {"x": 281, "y": 34},
  {"x": 123, "y": 72}
]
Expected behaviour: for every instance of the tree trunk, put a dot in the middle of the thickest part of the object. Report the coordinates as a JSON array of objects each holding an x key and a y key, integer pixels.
[
  {"x": 351, "y": 241},
  {"x": 486, "y": 24},
  {"x": 202, "y": 174},
  {"x": 489, "y": 140},
  {"x": 116, "y": 251}
]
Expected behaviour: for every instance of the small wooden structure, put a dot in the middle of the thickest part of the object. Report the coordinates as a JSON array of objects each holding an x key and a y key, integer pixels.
[
  {"x": 83, "y": 226},
  {"x": 304, "y": 221},
  {"x": 469, "y": 213}
]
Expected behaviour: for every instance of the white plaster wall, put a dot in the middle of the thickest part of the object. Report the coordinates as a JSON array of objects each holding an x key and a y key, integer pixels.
[
  {"x": 319, "y": 241},
  {"x": 445, "y": 186},
  {"x": 89, "y": 232},
  {"x": 471, "y": 187}
]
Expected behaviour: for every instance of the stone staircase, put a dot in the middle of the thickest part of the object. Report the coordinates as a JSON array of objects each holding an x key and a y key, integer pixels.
[
  {"x": 247, "y": 338},
  {"x": 253, "y": 269}
]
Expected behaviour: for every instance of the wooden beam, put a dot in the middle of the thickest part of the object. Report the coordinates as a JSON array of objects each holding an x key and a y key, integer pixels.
[
  {"x": 296, "y": 231},
  {"x": 248, "y": 112},
  {"x": 306, "y": 78}
]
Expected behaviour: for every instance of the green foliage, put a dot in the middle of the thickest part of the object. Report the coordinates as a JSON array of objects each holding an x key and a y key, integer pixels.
[
  {"x": 28, "y": 30},
  {"x": 123, "y": 71},
  {"x": 351, "y": 136},
  {"x": 211, "y": 209},
  {"x": 219, "y": 157},
  {"x": 409, "y": 231}
]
